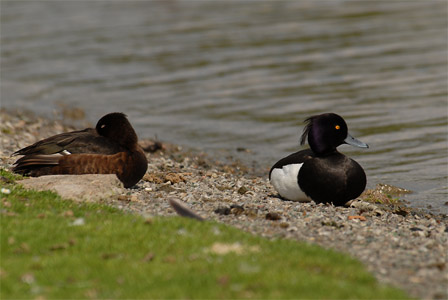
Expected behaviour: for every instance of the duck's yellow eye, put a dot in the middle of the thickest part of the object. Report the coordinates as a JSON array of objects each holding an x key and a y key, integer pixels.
[{"x": 337, "y": 127}]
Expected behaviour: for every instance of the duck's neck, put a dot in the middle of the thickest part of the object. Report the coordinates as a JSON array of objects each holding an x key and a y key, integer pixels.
[{"x": 321, "y": 148}]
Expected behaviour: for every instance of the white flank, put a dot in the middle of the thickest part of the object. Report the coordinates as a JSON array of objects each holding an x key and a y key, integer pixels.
[
  {"x": 285, "y": 182},
  {"x": 65, "y": 152}
]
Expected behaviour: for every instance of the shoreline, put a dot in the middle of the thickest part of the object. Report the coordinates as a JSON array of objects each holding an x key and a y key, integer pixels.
[{"x": 402, "y": 246}]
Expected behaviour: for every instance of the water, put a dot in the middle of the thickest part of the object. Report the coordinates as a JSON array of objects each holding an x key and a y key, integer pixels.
[{"x": 218, "y": 75}]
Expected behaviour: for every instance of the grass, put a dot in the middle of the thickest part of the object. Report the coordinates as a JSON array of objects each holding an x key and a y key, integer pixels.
[
  {"x": 384, "y": 194},
  {"x": 374, "y": 196},
  {"x": 54, "y": 248}
]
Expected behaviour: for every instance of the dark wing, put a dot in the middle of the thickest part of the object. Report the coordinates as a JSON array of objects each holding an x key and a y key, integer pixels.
[
  {"x": 81, "y": 141},
  {"x": 295, "y": 158}
]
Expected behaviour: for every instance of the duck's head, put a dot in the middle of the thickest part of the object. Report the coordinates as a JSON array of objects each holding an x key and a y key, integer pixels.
[
  {"x": 327, "y": 131},
  {"x": 116, "y": 126}
]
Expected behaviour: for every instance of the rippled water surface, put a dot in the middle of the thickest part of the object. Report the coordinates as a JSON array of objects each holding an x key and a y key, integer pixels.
[{"x": 224, "y": 74}]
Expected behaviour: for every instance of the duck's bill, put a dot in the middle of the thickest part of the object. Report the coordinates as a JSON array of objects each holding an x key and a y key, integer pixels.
[{"x": 355, "y": 142}]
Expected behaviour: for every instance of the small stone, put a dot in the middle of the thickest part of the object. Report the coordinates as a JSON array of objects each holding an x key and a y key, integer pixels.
[
  {"x": 123, "y": 198},
  {"x": 273, "y": 216},
  {"x": 174, "y": 178},
  {"x": 284, "y": 225},
  {"x": 378, "y": 212},
  {"x": 223, "y": 188},
  {"x": 155, "y": 178},
  {"x": 415, "y": 229},
  {"x": 361, "y": 218},
  {"x": 167, "y": 188},
  {"x": 222, "y": 210},
  {"x": 242, "y": 149},
  {"x": 293, "y": 228},
  {"x": 242, "y": 190},
  {"x": 401, "y": 211},
  {"x": 251, "y": 212},
  {"x": 418, "y": 234},
  {"x": 236, "y": 209}
]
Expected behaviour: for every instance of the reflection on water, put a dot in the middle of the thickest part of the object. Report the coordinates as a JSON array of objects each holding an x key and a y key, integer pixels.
[{"x": 219, "y": 75}]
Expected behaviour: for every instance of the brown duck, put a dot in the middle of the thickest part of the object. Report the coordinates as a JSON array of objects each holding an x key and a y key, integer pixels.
[{"x": 109, "y": 148}]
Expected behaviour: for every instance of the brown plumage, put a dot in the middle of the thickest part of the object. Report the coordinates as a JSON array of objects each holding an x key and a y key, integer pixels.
[{"x": 111, "y": 148}]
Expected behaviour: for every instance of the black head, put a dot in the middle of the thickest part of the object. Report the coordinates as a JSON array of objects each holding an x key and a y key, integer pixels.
[
  {"x": 327, "y": 131},
  {"x": 116, "y": 126}
]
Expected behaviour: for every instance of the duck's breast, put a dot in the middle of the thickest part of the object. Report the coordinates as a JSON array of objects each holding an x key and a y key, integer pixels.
[{"x": 335, "y": 178}]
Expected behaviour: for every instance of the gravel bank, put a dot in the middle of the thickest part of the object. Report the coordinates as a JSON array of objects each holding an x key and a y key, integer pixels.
[{"x": 403, "y": 247}]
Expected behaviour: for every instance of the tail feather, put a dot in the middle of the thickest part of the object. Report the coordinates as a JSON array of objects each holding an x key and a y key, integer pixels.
[
  {"x": 28, "y": 164},
  {"x": 184, "y": 210},
  {"x": 39, "y": 159}
]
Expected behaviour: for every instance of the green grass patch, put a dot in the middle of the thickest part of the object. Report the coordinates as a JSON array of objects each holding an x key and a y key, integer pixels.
[
  {"x": 384, "y": 194},
  {"x": 54, "y": 248}
]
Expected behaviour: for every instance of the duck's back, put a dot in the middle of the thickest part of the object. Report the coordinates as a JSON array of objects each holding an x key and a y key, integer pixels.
[{"x": 80, "y": 141}]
